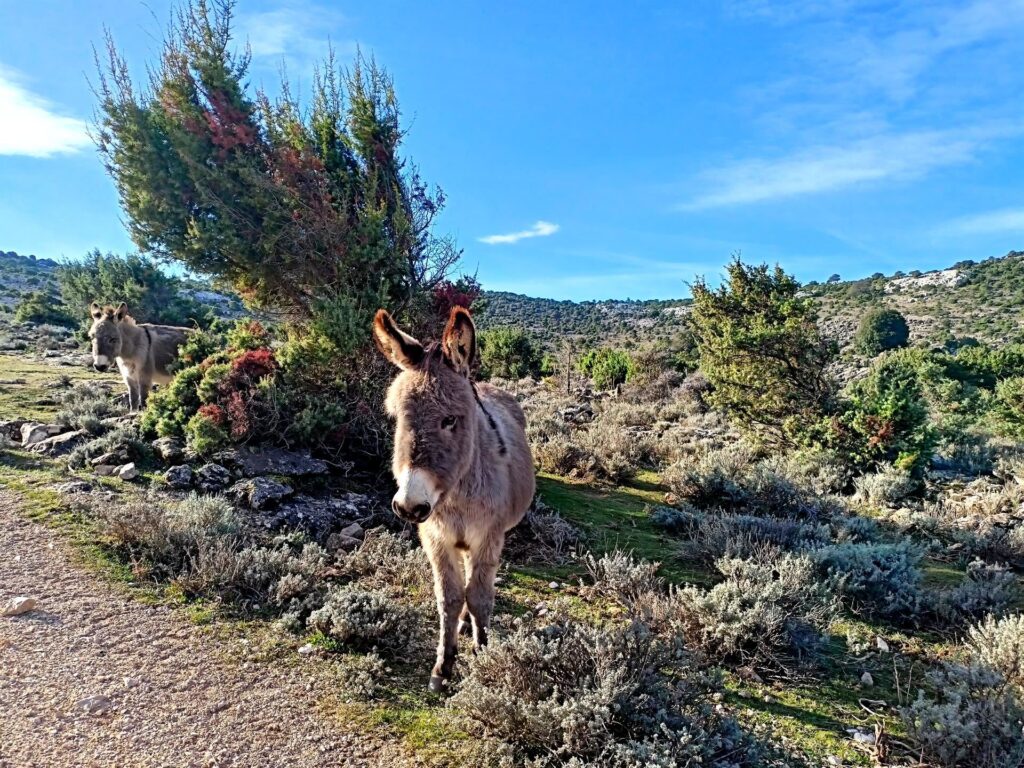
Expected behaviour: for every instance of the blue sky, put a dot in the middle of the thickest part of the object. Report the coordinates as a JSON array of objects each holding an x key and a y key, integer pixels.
[{"x": 603, "y": 149}]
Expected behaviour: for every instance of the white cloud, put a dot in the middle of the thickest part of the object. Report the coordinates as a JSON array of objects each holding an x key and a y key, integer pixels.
[
  {"x": 297, "y": 33},
  {"x": 31, "y": 125},
  {"x": 540, "y": 229},
  {"x": 990, "y": 222},
  {"x": 828, "y": 168}
]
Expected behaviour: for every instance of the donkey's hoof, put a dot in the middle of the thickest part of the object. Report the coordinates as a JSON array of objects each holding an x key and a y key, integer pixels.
[{"x": 437, "y": 684}]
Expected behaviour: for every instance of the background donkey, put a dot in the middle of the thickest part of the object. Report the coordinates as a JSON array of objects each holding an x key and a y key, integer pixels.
[
  {"x": 463, "y": 467},
  {"x": 143, "y": 352}
]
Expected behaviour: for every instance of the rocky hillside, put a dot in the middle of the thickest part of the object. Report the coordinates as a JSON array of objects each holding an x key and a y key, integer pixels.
[
  {"x": 22, "y": 274},
  {"x": 590, "y": 321},
  {"x": 983, "y": 300}
]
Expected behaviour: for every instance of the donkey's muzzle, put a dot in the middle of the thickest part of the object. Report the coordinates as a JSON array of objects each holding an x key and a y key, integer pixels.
[
  {"x": 101, "y": 367},
  {"x": 417, "y": 514}
]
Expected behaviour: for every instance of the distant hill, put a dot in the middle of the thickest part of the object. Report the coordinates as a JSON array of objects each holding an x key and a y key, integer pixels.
[
  {"x": 24, "y": 274},
  {"x": 590, "y": 321},
  {"x": 982, "y": 300}
]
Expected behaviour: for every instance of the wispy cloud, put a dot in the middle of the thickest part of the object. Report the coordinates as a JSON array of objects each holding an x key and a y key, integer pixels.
[
  {"x": 297, "y": 32},
  {"x": 828, "y": 168},
  {"x": 33, "y": 126},
  {"x": 540, "y": 229},
  {"x": 990, "y": 222},
  {"x": 869, "y": 95}
]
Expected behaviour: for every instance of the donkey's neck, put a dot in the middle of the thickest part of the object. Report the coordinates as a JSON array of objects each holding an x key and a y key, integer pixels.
[
  {"x": 131, "y": 338},
  {"x": 486, "y": 454}
]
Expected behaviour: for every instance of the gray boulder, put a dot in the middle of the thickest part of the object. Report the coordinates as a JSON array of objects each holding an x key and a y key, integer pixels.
[
  {"x": 211, "y": 478},
  {"x": 33, "y": 432},
  {"x": 179, "y": 477},
  {"x": 259, "y": 492},
  {"x": 59, "y": 445},
  {"x": 170, "y": 449},
  {"x": 273, "y": 461}
]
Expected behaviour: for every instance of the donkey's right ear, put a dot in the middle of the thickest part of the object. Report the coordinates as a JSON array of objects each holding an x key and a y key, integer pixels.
[
  {"x": 96, "y": 311},
  {"x": 396, "y": 345}
]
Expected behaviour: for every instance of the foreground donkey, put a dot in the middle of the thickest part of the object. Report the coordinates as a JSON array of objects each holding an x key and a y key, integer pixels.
[
  {"x": 142, "y": 351},
  {"x": 464, "y": 471}
]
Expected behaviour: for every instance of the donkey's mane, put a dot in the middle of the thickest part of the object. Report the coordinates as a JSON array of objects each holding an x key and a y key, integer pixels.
[{"x": 432, "y": 355}]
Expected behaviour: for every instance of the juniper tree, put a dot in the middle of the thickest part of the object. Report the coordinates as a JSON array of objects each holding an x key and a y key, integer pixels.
[
  {"x": 308, "y": 211},
  {"x": 762, "y": 352}
]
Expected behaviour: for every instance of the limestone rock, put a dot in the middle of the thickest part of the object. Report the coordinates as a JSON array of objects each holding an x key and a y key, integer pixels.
[
  {"x": 128, "y": 471},
  {"x": 60, "y": 445},
  {"x": 19, "y": 605},
  {"x": 33, "y": 432}
]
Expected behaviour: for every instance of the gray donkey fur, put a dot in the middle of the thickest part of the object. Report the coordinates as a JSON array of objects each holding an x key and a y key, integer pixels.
[
  {"x": 463, "y": 468},
  {"x": 143, "y": 352}
]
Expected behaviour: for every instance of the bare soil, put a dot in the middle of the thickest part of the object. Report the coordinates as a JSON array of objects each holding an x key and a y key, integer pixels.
[{"x": 166, "y": 692}]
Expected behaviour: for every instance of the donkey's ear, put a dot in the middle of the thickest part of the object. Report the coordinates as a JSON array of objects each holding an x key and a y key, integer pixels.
[
  {"x": 394, "y": 343},
  {"x": 459, "y": 340},
  {"x": 121, "y": 311},
  {"x": 96, "y": 311}
]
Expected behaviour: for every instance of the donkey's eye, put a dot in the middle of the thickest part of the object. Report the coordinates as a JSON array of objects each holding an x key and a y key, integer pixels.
[{"x": 449, "y": 422}]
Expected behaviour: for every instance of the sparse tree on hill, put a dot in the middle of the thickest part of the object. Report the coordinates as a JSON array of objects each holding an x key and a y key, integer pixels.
[
  {"x": 508, "y": 353},
  {"x": 881, "y": 330}
]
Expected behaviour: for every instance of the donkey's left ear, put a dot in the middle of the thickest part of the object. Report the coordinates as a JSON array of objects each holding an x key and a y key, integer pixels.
[
  {"x": 459, "y": 340},
  {"x": 121, "y": 311}
]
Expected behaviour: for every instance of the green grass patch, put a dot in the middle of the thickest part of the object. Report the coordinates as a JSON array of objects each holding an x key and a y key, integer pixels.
[
  {"x": 615, "y": 518},
  {"x": 25, "y": 392}
]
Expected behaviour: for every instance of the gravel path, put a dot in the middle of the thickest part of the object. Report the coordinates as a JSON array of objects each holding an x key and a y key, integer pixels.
[{"x": 165, "y": 693}]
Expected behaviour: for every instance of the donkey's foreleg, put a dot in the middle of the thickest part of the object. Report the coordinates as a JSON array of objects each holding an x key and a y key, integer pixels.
[
  {"x": 133, "y": 393},
  {"x": 450, "y": 591},
  {"x": 483, "y": 568}
]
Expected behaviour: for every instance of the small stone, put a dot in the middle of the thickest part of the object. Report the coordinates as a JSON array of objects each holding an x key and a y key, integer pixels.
[
  {"x": 340, "y": 541},
  {"x": 355, "y": 531},
  {"x": 105, "y": 470},
  {"x": 861, "y": 736},
  {"x": 128, "y": 471},
  {"x": 867, "y": 680},
  {"x": 307, "y": 649},
  {"x": 19, "y": 605},
  {"x": 131, "y": 682},
  {"x": 74, "y": 486},
  {"x": 111, "y": 457},
  {"x": 881, "y": 644},
  {"x": 94, "y": 705},
  {"x": 179, "y": 477}
]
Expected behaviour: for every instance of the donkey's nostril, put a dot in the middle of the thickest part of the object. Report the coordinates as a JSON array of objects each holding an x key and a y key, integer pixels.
[{"x": 420, "y": 512}]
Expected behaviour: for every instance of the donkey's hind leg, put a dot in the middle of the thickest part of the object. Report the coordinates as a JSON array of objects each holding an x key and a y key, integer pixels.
[
  {"x": 483, "y": 568},
  {"x": 450, "y": 591}
]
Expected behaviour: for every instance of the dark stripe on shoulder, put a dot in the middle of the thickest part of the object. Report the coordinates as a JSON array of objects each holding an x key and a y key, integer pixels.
[{"x": 490, "y": 420}]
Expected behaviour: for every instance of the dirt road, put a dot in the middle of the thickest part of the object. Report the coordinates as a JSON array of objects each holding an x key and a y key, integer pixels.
[{"x": 92, "y": 678}]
